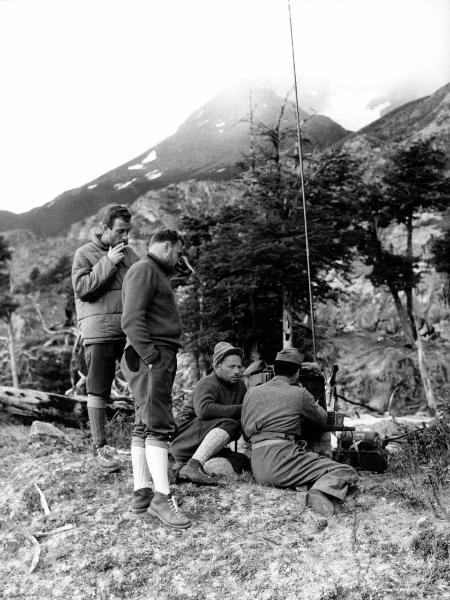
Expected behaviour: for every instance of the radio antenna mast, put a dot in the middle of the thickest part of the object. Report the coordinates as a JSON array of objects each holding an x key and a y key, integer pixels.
[{"x": 302, "y": 182}]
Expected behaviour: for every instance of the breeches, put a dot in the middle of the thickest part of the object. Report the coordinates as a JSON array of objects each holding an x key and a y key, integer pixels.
[
  {"x": 101, "y": 364},
  {"x": 288, "y": 465},
  {"x": 191, "y": 434},
  {"x": 154, "y": 423}
]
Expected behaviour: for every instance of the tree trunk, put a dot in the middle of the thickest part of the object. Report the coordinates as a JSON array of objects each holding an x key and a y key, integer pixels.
[
  {"x": 426, "y": 382},
  {"x": 196, "y": 365},
  {"x": 416, "y": 341},
  {"x": 287, "y": 320},
  {"x": 55, "y": 407},
  {"x": 402, "y": 314},
  {"x": 409, "y": 286},
  {"x": 254, "y": 352},
  {"x": 203, "y": 366},
  {"x": 12, "y": 354},
  {"x": 11, "y": 339}
]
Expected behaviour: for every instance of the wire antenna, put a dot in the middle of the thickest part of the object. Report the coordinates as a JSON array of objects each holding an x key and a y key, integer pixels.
[{"x": 302, "y": 185}]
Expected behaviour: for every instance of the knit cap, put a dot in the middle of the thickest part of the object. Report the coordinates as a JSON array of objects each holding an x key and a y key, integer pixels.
[
  {"x": 222, "y": 350},
  {"x": 291, "y": 355}
]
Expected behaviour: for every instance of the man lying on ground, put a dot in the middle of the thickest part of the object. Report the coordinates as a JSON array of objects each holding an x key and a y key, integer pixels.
[{"x": 273, "y": 416}]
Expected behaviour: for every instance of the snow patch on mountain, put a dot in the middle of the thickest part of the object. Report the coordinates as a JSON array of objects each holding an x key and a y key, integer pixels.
[
  {"x": 153, "y": 174},
  {"x": 151, "y": 156},
  {"x": 122, "y": 186},
  {"x": 221, "y": 124},
  {"x": 91, "y": 187},
  {"x": 136, "y": 167}
]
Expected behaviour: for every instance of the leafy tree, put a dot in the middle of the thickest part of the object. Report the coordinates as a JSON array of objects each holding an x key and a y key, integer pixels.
[
  {"x": 413, "y": 180},
  {"x": 250, "y": 257},
  {"x": 55, "y": 274}
]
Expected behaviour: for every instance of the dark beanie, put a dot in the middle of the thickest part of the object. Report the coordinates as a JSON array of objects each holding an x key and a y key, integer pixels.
[{"x": 290, "y": 355}]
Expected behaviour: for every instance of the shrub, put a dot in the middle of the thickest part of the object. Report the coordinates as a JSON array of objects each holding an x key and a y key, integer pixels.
[{"x": 424, "y": 458}]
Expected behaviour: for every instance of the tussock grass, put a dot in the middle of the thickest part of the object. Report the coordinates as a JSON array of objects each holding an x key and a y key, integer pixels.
[{"x": 247, "y": 542}]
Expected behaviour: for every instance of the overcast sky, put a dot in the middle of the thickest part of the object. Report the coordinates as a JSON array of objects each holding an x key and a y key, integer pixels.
[{"x": 88, "y": 85}]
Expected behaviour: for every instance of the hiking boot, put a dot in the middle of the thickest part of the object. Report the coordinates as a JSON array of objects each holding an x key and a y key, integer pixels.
[
  {"x": 105, "y": 458},
  {"x": 141, "y": 500},
  {"x": 165, "y": 508},
  {"x": 319, "y": 503},
  {"x": 193, "y": 471}
]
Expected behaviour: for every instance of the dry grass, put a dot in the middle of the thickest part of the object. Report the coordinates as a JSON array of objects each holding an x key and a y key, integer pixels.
[{"x": 247, "y": 542}]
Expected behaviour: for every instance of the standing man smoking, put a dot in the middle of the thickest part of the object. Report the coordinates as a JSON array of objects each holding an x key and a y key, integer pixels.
[
  {"x": 151, "y": 322},
  {"x": 98, "y": 271}
]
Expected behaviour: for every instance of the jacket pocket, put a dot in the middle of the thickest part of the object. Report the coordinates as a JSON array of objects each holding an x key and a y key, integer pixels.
[{"x": 132, "y": 359}]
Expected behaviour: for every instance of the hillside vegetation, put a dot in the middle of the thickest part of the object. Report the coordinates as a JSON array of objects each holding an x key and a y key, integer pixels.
[{"x": 389, "y": 541}]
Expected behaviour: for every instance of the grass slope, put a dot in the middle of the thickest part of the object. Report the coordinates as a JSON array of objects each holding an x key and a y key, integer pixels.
[{"x": 246, "y": 542}]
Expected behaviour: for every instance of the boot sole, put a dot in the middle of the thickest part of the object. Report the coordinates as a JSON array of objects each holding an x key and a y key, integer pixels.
[
  {"x": 198, "y": 482},
  {"x": 138, "y": 511},
  {"x": 153, "y": 513},
  {"x": 106, "y": 470},
  {"x": 320, "y": 504}
]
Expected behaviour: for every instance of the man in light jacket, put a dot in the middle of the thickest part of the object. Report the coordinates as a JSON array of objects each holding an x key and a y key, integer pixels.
[{"x": 98, "y": 271}]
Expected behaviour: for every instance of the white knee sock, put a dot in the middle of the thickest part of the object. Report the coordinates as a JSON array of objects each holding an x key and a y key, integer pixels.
[
  {"x": 141, "y": 474},
  {"x": 157, "y": 461},
  {"x": 213, "y": 441}
]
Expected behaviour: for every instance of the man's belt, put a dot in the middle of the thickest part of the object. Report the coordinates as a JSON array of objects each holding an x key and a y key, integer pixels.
[
  {"x": 263, "y": 443},
  {"x": 268, "y": 439}
]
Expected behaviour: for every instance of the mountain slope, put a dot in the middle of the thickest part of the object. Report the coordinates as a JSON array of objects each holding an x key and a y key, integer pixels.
[
  {"x": 426, "y": 116},
  {"x": 206, "y": 146},
  {"x": 8, "y": 220}
]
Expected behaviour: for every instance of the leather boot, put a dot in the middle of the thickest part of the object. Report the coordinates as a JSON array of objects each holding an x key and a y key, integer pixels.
[
  {"x": 141, "y": 500},
  {"x": 193, "y": 471},
  {"x": 318, "y": 502},
  {"x": 165, "y": 508},
  {"x": 105, "y": 458}
]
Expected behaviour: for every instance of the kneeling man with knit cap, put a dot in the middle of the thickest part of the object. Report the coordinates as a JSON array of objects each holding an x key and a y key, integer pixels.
[
  {"x": 211, "y": 418},
  {"x": 273, "y": 415}
]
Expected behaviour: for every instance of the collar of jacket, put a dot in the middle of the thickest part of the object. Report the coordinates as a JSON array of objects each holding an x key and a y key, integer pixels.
[
  {"x": 281, "y": 380},
  {"x": 159, "y": 263},
  {"x": 97, "y": 239}
]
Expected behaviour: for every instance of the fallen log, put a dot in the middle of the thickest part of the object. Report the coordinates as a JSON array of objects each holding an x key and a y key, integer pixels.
[
  {"x": 71, "y": 410},
  {"x": 388, "y": 426}
]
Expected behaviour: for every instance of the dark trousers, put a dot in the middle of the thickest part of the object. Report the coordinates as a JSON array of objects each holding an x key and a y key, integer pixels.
[
  {"x": 151, "y": 388},
  {"x": 101, "y": 364},
  {"x": 288, "y": 465}
]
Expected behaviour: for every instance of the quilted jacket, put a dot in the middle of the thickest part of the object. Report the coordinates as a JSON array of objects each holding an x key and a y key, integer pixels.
[{"x": 97, "y": 283}]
